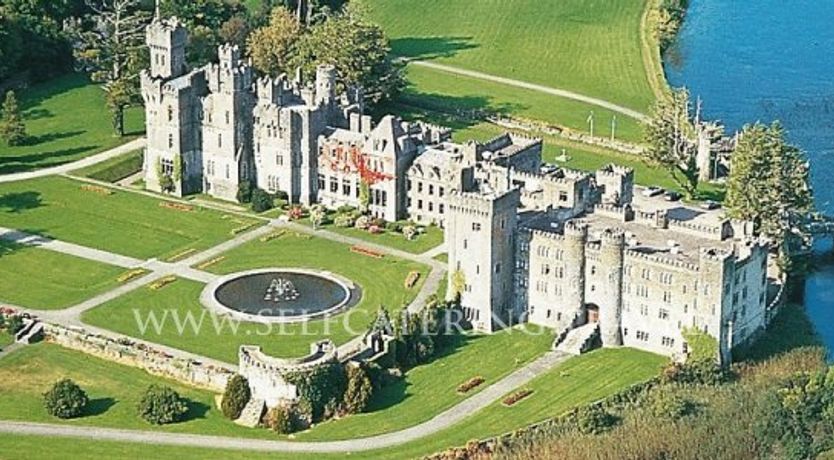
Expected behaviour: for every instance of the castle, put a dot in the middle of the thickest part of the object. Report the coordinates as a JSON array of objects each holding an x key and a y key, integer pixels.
[{"x": 577, "y": 252}]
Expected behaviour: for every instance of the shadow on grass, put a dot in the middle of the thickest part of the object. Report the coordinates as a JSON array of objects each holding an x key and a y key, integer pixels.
[
  {"x": 196, "y": 410},
  {"x": 430, "y": 47},
  {"x": 25, "y": 163},
  {"x": 17, "y": 202},
  {"x": 37, "y": 94},
  {"x": 51, "y": 137},
  {"x": 98, "y": 406}
]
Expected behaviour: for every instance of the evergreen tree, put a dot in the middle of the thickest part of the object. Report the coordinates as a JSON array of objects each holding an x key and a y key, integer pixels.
[
  {"x": 12, "y": 129},
  {"x": 65, "y": 399},
  {"x": 769, "y": 185},
  {"x": 235, "y": 397},
  {"x": 672, "y": 141},
  {"x": 359, "y": 390}
]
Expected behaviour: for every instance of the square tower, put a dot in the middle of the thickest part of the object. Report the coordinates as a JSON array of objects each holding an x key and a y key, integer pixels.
[{"x": 166, "y": 39}]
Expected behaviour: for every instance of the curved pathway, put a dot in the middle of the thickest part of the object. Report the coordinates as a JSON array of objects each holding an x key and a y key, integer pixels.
[
  {"x": 440, "y": 422},
  {"x": 533, "y": 87},
  {"x": 82, "y": 163}
]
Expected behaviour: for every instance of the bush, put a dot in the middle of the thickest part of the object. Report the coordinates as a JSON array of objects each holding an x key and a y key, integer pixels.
[
  {"x": 395, "y": 227},
  {"x": 235, "y": 397},
  {"x": 672, "y": 406},
  {"x": 282, "y": 195},
  {"x": 344, "y": 221},
  {"x": 594, "y": 419},
  {"x": 65, "y": 399},
  {"x": 280, "y": 420},
  {"x": 244, "y": 192},
  {"x": 363, "y": 222},
  {"x": 161, "y": 405},
  {"x": 359, "y": 390},
  {"x": 261, "y": 201},
  {"x": 14, "y": 324}
]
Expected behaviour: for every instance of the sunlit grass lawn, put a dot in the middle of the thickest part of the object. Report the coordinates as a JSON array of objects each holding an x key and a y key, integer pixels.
[
  {"x": 66, "y": 119},
  {"x": 114, "y": 169},
  {"x": 429, "y": 389},
  {"x": 432, "y": 237},
  {"x": 578, "y": 381},
  {"x": 381, "y": 281},
  {"x": 45, "y": 280},
  {"x": 123, "y": 222}
]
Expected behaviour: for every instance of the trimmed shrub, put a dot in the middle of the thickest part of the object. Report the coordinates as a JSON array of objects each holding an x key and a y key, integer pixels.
[
  {"x": 280, "y": 420},
  {"x": 261, "y": 201},
  {"x": 344, "y": 221},
  {"x": 359, "y": 390},
  {"x": 244, "y": 192},
  {"x": 235, "y": 397},
  {"x": 14, "y": 324},
  {"x": 65, "y": 399},
  {"x": 161, "y": 405}
]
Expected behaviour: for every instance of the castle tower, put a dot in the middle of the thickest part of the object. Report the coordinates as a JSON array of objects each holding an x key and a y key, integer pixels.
[
  {"x": 480, "y": 234},
  {"x": 576, "y": 236},
  {"x": 716, "y": 272},
  {"x": 325, "y": 84},
  {"x": 166, "y": 39},
  {"x": 612, "y": 249}
]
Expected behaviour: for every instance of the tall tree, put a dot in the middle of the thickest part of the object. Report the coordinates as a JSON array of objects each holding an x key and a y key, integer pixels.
[
  {"x": 209, "y": 23},
  {"x": 12, "y": 129},
  {"x": 357, "y": 48},
  {"x": 769, "y": 185},
  {"x": 111, "y": 49},
  {"x": 270, "y": 46},
  {"x": 672, "y": 140}
]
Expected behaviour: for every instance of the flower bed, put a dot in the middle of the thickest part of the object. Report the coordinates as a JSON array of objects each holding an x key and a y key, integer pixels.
[
  {"x": 468, "y": 385},
  {"x": 411, "y": 279},
  {"x": 96, "y": 189},
  {"x": 272, "y": 236},
  {"x": 181, "y": 255},
  {"x": 176, "y": 206},
  {"x": 367, "y": 252},
  {"x": 242, "y": 228},
  {"x": 210, "y": 262},
  {"x": 127, "y": 276},
  {"x": 516, "y": 397},
  {"x": 162, "y": 282}
]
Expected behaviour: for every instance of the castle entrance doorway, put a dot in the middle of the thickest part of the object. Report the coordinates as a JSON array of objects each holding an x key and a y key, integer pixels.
[{"x": 592, "y": 313}]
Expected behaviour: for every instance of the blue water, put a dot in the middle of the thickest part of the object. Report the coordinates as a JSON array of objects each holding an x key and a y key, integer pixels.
[{"x": 768, "y": 60}]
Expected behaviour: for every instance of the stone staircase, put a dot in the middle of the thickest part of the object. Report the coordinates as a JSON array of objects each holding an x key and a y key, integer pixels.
[
  {"x": 251, "y": 415},
  {"x": 579, "y": 340},
  {"x": 32, "y": 331}
]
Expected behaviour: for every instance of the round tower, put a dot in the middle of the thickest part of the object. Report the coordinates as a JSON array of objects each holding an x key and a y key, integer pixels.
[
  {"x": 325, "y": 84},
  {"x": 612, "y": 247},
  {"x": 576, "y": 236}
]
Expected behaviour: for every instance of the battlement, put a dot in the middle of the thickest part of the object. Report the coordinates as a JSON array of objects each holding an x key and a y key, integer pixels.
[
  {"x": 714, "y": 232},
  {"x": 576, "y": 228},
  {"x": 715, "y": 255},
  {"x": 554, "y": 236},
  {"x": 658, "y": 258},
  {"x": 620, "y": 213},
  {"x": 612, "y": 237},
  {"x": 166, "y": 32},
  {"x": 612, "y": 171},
  {"x": 251, "y": 357},
  {"x": 229, "y": 56},
  {"x": 476, "y": 202}
]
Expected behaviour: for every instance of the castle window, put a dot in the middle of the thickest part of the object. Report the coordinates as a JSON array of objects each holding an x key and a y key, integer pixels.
[
  {"x": 545, "y": 269},
  {"x": 440, "y": 191},
  {"x": 408, "y": 185},
  {"x": 227, "y": 172},
  {"x": 228, "y": 120},
  {"x": 346, "y": 187},
  {"x": 560, "y": 272},
  {"x": 431, "y": 189},
  {"x": 667, "y": 342},
  {"x": 497, "y": 268},
  {"x": 643, "y": 336},
  {"x": 170, "y": 113},
  {"x": 279, "y": 160},
  {"x": 321, "y": 182},
  {"x": 420, "y": 205},
  {"x": 644, "y": 310},
  {"x": 431, "y": 206},
  {"x": 667, "y": 296},
  {"x": 548, "y": 313},
  {"x": 663, "y": 313},
  {"x": 170, "y": 141},
  {"x": 464, "y": 245},
  {"x": 334, "y": 185},
  {"x": 408, "y": 202},
  {"x": 440, "y": 208},
  {"x": 563, "y": 196},
  {"x": 167, "y": 166},
  {"x": 476, "y": 226},
  {"x": 219, "y": 140},
  {"x": 593, "y": 270},
  {"x": 647, "y": 274},
  {"x": 419, "y": 187}
]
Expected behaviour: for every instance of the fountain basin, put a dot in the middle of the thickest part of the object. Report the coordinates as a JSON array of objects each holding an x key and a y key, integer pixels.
[{"x": 280, "y": 295}]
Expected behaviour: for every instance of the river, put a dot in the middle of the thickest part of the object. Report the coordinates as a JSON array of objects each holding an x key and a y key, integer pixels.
[{"x": 767, "y": 60}]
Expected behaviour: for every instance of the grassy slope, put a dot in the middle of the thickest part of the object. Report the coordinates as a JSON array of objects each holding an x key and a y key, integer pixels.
[
  {"x": 67, "y": 120},
  {"x": 114, "y": 169},
  {"x": 381, "y": 282},
  {"x": 124, "y": 223},
  {"x": 578, "y": 381},
  {"x": 46, "y": 280},
  {"x": 589, "y": 46}
]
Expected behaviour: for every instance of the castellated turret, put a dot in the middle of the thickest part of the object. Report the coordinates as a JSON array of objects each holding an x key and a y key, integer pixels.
[
  {"x": 166, "y": 39},
  {"x": 612, "y": 246},
  {"x": 576, "y": 236},
  {"x": 325, "y": 85}
]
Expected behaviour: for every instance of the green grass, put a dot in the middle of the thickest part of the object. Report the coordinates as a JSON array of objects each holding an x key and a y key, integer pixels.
[
  {"x": 441, "y": 91},
  {"x": 114, "y": 169},
  {"x": 5, "y": 338},
  {"x": 66, "y": 119},
  {"x": 124, "y": 223},
  {"x": 429, "y": 389},
  {"x": 46, "y": 280},
  {"x": 432, "y": 238},
  {"x": 578, "y": 381},
  {"x": 590, "y": 158},
  {"x": 589, "y": 46},
  {"x": 381, "y": 282}
]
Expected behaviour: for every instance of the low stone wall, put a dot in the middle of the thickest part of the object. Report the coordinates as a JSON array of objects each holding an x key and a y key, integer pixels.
[{"x": 135, "y": 354}]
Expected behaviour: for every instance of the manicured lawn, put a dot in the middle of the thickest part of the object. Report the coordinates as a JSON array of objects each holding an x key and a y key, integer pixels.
[
  {"x": 114, "y": 169},
  {"x": 124, "y": 223},
  {"x": 579, "y": 381},
  {"x": 381, "y": 281},
  {"x": 431, "y": 238},
  {"x": 590, "y": 158},
  {"x": 5, "y": 338},
  {"x": 113, "y": 389},
  {"x": 67, "y": 119},
  {"x": 429, "y": 389},
  {"x": 46, "y": 280},
  {"x": 445, "y": 92}
]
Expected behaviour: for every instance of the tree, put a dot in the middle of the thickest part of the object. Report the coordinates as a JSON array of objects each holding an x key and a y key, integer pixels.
[
  {"x": 161, "y": 405},
  {"x": 672, "y": 140},
  {"x": 317, "y": 216},
  {"x": 280, "y": 419},
  {"x": 235, "y": 31},
  {"x": 12, "y": 129},
  {"x": 261, "y": 200},
  {"x": 111, "y": 49},
  {"x": 270, "y": 46},
  {"x": 769, "y": 186},
  {"x": 244, "y": 192},
  {"x": 65, "y": 399},
  {"x": 235, "y": 397},
  {"x": 209, "y": 23},
  {"x": 14, "y": 324},
  {"x": 359, "y": 390},
  {"x": 361, "y": 57}
]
